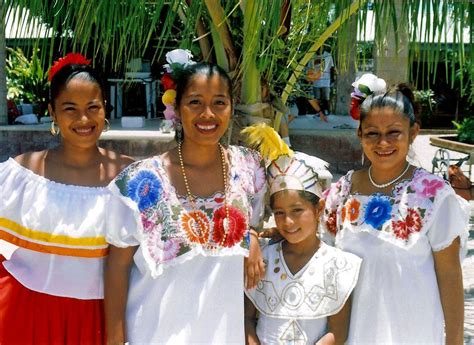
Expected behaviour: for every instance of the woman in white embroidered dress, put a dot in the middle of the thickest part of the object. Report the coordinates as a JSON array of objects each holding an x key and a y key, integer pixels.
[
  {"x": 407, "y": 225},
  {"x": 52, "y": 206},
  {"x": 304, "y": 296},
  {"x": 194, "y": 206}
]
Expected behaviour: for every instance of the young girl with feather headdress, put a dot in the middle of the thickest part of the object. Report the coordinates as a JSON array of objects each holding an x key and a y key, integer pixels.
[{"x": 304, "y": 296}]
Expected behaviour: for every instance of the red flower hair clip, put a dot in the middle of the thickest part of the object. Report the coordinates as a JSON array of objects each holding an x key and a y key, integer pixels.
[{"x": 69, "y": 59}]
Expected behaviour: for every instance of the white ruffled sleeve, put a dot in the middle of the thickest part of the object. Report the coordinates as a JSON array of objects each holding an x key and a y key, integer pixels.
[
  {"x": 450, "y": 220},
  {"x": 123, "y": 223}
]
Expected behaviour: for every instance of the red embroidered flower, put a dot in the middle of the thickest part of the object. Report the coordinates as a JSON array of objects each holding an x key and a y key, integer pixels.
[
  {"x": 237, "y": 226},
  {"x": 331, "y": 222},
  {"x": 400, "y": 229},
  {"x": 69, "y": 59},
  {"x": 403, "y": 229},
  {"x": 167, "y": 82},
  {"x": 353, "y": 209},
  {"x": 413, "y": 220},
  {"x": 196, "y": 226}
]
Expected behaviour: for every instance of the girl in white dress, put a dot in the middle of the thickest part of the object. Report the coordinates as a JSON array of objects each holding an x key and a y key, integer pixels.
[
  {"x": 54, "y": 205},
  {"x": 407, "y": 225},
  {"x": 177, "y": 276},
  {"x": 304, "y": 296}
]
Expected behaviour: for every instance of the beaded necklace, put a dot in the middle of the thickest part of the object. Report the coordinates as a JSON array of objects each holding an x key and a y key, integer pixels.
[{"x": 191, "y": 197}]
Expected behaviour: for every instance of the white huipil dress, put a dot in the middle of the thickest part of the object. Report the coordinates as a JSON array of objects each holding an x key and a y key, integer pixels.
[
  {"x": 397, "y": 299},
  {"x": 294, "y": 308},
  {"x": 186, "y": 285}
]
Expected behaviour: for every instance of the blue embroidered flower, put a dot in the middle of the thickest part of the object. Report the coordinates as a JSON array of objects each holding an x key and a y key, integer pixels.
[
  {"x": 378, "y": 211},
  {"x": 145, "y": 189}
]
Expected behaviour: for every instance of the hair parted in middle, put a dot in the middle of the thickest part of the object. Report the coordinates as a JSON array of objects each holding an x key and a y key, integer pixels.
[{"x": 202, "y": 68}]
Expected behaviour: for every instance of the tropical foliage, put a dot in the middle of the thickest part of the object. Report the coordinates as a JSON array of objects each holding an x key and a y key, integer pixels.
[
  {"x": 26, "y": 79},
  {"x": 465, "y": 130},
  {"x": 264, "y": 45}
]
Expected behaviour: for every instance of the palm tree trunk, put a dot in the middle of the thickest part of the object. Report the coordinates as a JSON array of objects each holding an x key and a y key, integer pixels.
[{"x": 3, "y": 81}]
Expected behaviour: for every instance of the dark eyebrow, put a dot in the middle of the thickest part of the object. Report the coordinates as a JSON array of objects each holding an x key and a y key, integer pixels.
[{"x": 194, "y": 94}]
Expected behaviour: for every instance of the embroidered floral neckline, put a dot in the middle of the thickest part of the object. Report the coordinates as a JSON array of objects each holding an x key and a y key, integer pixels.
[{"x": 399, "y": 215}]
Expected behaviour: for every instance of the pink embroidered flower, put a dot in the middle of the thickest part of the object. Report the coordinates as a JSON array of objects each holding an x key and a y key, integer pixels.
[
  {"x": 149, "y": 222},
  {"x": 162, "y": 251},
  {"x": 236, "y": 230},
  {"x": 331, "y": 222},
  {"x": 170, "y": 249},
  {"x": 427, "y": 187}
]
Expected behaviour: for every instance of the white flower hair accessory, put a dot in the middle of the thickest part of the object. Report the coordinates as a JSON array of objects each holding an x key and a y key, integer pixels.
[
  {"x": 367, "y": 84},
  {"x": 181, "y": 57}
]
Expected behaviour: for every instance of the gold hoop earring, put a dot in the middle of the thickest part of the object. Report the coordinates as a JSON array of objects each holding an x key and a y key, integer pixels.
[
  {"x": 107, "y": 125},
  {"x": 54, "y": 129}
]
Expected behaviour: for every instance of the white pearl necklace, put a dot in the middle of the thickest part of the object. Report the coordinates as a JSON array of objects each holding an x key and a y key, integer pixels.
[{"x": 383, "y": 185}]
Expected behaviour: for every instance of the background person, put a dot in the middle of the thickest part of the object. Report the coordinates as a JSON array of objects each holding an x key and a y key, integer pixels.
[{"x": 319, "y": 73}]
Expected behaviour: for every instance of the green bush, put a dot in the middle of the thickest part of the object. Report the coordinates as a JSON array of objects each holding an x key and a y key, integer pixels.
[
  {"x": 26, "y": 79},
  {"x": 465, "y": 130}
]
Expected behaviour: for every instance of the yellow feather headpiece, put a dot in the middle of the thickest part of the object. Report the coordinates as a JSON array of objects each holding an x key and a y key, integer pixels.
[{"x": 264, "y": 138}]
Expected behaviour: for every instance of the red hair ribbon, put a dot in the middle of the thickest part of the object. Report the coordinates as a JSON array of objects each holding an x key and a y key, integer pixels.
[{"x": 69, "y": 59}]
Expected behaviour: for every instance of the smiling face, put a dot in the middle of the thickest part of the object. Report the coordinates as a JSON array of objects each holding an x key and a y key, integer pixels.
[
  {"x": 296, "y": 218},
  {"x": 79, "y": 111},
  {"x": 205, "y": 109},
  {"x": 386, "y": 136}
]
